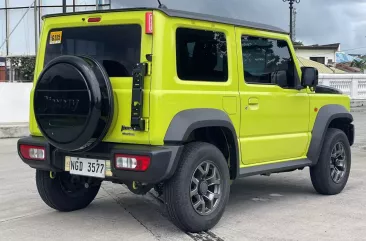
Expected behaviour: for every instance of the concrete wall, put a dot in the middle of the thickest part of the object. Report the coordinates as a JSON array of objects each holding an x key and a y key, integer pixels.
[
  {"x": 327, "y": 53},
  {"x": 14, "y": 102},
  {"x": 353, "y": 85}
]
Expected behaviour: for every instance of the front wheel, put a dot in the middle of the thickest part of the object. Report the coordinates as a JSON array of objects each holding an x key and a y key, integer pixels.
[
  {"x": 330, "y": 175},
  {"x": 198, "y": 192},
  {"x": 64, "y": 192}
]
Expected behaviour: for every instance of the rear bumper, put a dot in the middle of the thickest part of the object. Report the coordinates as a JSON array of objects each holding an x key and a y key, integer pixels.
[{"x": 164, "y": 159}]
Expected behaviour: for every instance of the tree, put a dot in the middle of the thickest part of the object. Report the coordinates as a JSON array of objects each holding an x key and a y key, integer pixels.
[
  {"x": 24, "y": 66},
  {"x": 298, "y": 43},
  {"x": 361, "y": 64}
]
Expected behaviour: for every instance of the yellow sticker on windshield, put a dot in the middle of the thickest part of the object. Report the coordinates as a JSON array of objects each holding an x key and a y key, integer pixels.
[{"x": 56, "y": 37}]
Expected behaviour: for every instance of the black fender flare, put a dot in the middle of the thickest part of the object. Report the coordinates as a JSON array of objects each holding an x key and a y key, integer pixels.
[
  {"x": 185, "y": 122},
  {"x": 325, "y": 116}
]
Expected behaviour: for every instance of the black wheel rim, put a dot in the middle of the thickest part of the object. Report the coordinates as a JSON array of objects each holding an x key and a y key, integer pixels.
[
  {"x": 205, "y": 188},
  {"x": 338, "y": 162}
]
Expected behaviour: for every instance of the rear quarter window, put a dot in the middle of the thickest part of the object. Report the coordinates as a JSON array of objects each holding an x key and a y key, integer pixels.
[
  {"x": 201, "y": 55},
  {"x": 117, "y": 48}
]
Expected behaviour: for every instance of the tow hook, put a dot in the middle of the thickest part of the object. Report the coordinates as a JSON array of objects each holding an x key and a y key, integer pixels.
[
  {"x": 52, "y": 175},
  {"x": 139, "y": 188}
]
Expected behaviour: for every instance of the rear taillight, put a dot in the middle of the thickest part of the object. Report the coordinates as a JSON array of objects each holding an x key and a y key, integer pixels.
[
  {"x": 132, "y": 162},
  {"x": 149, "y": 23},
  {"x": 37, "y": 153}
]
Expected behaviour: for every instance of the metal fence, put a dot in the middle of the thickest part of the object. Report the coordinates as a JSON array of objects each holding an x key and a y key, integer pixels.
[{"x": 21, "y": 21}]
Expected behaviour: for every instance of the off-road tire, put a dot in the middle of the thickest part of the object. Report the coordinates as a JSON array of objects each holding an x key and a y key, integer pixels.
[
  {"x": 177, "y": 189},
  {"x": 320, "y": 173},
  {"x": 55, "y": 196}
]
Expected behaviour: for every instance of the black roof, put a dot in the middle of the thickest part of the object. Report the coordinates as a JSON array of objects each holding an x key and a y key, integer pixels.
[
  {"x": 317, "y": 46},
  {"x": 187, "y": 15}
]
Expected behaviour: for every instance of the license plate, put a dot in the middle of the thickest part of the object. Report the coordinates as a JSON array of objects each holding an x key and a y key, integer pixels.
[{"x": 87, "y": 167}]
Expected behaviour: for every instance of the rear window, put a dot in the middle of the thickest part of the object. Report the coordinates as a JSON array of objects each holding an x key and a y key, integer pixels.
[{"x": 117, "y": 48}]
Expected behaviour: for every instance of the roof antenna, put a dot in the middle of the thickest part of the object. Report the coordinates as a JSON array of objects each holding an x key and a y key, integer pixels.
[{"x": 162, "y": 5}]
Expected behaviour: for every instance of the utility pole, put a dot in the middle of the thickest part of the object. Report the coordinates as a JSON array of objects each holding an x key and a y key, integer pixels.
[
  {"x": 39, "y": 16},
  {"x": 35, "y": 28},
  {"x": 97, "y": 4},
  {"x": 7, "y": 27},
  {"x": 64, "y": 8},
  {"x": 73, "y": 6},
  {"x": 291, "y": 2},
  {"x": 294, "y": 25}
]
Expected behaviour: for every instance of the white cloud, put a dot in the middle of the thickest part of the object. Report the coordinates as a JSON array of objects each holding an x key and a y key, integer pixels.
[{"x": 319, "y": 21}]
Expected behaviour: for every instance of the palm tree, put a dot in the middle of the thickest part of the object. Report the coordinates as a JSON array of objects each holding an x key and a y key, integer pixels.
[{"x": 361, "y": 64}]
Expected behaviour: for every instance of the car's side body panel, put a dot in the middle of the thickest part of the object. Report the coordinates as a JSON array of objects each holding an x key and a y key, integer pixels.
[
  {"x": 171, "y": 96},
  {"x": 276, "y": 127}
]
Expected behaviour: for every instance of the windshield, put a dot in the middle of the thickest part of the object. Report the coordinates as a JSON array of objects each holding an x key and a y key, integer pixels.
[{"x": 117, "y": 48}]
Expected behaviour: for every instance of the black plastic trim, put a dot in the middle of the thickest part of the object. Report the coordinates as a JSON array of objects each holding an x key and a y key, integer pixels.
[
  {"x": 351, "y": 136},
  {"x": 185, "y": 122},
  {"x": 186, "y": 15},
  {"x": 274, "y": 168},
  {"x": 137, "y": 104},
  {"x": 322, "y": 89},
  {"x": 325, "y": 116},
  {"x": 164, "y": 159}
]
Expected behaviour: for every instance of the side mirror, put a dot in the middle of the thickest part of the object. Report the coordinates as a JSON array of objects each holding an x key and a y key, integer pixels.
[{"x": 310, "y": 77}]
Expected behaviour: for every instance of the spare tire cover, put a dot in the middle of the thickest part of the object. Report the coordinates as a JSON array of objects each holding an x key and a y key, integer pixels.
[{"x": 73, "y": 103}]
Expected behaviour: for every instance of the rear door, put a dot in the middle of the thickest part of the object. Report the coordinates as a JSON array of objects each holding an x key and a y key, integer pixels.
[
  {"x": 274, "y": 114},
  {"x": 118, "y": 41}
]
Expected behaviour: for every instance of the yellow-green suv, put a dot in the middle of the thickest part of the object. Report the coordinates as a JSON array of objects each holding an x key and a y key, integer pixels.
[{"x": 180, "y": 102}]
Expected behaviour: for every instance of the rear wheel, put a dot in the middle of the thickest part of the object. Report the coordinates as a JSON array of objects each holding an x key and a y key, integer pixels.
[
  {"x": 198, "y": 192},
  {"x": 64, "y": 192},
  {"x": 330, "y": 175}
]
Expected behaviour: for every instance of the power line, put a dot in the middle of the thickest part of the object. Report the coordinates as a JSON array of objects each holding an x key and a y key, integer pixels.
[
  {"x": 56, "y": 6},
  {"x": 346, "y": 50},
  {"x": 353, "y": 49}
]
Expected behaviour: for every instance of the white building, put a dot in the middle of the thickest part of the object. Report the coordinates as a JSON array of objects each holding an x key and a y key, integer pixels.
[{"x": 325, "y": 54}]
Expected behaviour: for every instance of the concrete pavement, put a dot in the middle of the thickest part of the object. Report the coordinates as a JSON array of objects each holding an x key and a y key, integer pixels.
[{"x": 279, "y": 207}]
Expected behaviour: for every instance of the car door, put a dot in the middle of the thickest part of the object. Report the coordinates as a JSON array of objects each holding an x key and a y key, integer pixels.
[{"x": 274, "y": 112}]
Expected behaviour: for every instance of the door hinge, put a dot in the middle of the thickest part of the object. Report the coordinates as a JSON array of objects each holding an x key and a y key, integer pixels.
[{"x": 138, "y": 75}]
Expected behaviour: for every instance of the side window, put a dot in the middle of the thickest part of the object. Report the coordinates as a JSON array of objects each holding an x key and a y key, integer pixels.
[
  {"x": 268, "y": 61},
  {"x": 201, "y": 55}
]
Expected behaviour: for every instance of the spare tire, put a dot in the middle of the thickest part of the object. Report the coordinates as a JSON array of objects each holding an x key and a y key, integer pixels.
[{"x": 73, "y": 103}]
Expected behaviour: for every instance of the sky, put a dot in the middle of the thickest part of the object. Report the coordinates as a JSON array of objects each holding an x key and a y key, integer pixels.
[{"x": 318, "y": 21}]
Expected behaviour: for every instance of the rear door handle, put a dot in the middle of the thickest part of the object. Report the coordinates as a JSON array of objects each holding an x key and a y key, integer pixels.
[{"x": 253, "y": 101}]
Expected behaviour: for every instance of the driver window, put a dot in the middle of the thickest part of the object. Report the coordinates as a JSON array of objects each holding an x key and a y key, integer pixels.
[{"x": 267, "y": 61}]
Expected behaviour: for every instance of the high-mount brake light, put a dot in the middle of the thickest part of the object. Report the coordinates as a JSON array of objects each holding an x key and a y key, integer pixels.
[
  {"x": 94, "y": 20},
  {"x": 149, "y": 29}
]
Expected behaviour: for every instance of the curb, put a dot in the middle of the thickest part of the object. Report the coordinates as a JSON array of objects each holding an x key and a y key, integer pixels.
[{"x": 14, "y": 130}]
